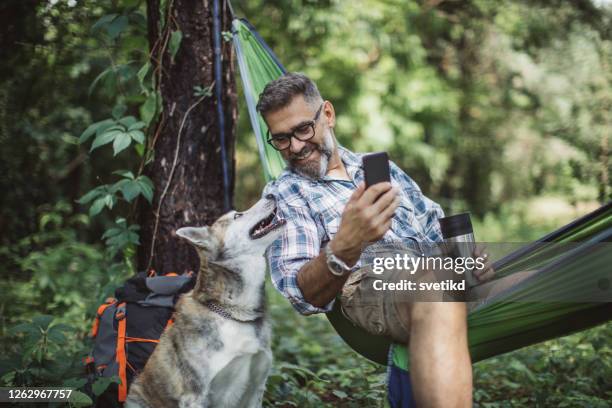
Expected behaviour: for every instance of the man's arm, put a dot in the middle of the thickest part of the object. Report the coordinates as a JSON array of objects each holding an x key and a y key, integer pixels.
[{"x": 366, "y": 217}]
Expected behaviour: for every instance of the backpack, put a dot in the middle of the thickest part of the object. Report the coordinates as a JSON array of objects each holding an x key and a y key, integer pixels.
[{"x": 127, "y": 328}]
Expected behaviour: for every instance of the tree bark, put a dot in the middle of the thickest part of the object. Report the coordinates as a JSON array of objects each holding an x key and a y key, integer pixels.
[{"x": 187, "y": 167}]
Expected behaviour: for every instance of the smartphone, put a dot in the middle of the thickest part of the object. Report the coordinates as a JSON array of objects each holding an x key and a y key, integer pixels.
[{"x": 376, "y": 168}]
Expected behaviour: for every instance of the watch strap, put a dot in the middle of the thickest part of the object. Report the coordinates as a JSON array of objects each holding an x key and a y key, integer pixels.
[{"x": 332, "y": 258}]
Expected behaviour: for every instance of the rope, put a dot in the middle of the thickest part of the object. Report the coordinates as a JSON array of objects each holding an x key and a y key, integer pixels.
[
  {"x": 220, "y": 114},
  {"x": 231, "y": 9}
]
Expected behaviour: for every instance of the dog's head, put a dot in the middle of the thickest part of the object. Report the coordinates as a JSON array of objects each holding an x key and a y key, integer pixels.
[{"x": 237, "y": 233}]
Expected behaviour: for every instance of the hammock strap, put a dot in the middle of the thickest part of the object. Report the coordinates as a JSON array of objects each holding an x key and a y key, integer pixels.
[{"x": 220, "y": 114}]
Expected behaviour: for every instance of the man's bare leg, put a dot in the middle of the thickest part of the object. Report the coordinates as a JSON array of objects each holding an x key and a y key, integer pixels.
[{"x": 440, "y": 365}]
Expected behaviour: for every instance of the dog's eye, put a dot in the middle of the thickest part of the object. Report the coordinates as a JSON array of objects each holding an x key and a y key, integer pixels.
[{"x": 237, "y": 215}]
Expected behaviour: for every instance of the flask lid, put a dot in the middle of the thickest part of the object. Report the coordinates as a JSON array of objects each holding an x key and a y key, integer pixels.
[{"x": 456, "y": 225}]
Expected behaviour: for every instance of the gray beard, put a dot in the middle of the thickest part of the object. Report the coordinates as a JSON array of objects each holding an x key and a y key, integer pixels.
[{"x": 318, "y": 169}]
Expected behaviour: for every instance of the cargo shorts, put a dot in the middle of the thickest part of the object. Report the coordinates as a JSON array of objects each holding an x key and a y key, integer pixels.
[
  {"x": 381, "y": 312},
  {"x": 377, "y": 312}
]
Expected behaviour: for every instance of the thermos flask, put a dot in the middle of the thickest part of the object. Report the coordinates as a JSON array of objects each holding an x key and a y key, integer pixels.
[{"x": 459, "y": 240}]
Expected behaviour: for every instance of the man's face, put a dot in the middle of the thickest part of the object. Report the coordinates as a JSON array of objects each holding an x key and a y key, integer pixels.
[{"x": 311, "y": 157}]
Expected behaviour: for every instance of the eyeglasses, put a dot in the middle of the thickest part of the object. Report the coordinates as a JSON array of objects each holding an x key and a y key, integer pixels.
[{"x": 302, "y": 132}]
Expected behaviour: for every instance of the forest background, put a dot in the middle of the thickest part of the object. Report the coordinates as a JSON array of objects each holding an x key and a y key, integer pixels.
[{"x": 501, "y": 108}]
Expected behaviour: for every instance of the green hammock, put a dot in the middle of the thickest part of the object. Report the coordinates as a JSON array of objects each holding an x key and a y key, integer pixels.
[{"x": 507, "y": 321}]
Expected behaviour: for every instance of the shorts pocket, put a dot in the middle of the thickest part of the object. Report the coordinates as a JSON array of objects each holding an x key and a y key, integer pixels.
[{"x": 362, "y": 308}]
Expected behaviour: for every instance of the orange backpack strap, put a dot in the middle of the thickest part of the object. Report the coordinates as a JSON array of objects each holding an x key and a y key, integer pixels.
[
  {"x": 170, "y": 323},
  {"x": 120, "y": 352},
  {"x": 96, "y": 324},
  {"x": 140, "y": 340}
]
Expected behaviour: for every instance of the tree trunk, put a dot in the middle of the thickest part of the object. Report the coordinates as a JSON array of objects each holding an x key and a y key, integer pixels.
[{"x": 187, "y": 167}]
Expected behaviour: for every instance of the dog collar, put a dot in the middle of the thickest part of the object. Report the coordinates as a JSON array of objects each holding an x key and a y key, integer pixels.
[{"x": 215, "y": 307}]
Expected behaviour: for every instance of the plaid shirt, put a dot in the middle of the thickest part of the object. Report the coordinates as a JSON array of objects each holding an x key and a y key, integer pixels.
[{"x": 313, "y": 209}]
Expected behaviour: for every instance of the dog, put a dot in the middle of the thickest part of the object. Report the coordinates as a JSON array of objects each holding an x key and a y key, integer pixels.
[{"x": 217, "y": 353}]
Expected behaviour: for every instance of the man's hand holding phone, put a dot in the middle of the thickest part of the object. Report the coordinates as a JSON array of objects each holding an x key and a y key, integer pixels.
[{"x": 367, "y": 215}]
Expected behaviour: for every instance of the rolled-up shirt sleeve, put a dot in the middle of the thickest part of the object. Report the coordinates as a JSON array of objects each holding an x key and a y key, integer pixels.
[{"x": 299, "y": 243}]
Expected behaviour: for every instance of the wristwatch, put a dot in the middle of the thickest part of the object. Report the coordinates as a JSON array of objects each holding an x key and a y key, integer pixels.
[{"x": 335, "y": 265}]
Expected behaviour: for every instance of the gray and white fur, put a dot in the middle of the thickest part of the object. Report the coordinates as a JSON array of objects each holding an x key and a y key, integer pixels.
[{"x": 217, "y": 353}]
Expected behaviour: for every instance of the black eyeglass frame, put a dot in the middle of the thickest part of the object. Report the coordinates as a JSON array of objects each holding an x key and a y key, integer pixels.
[{"x": 288, "y": 136}]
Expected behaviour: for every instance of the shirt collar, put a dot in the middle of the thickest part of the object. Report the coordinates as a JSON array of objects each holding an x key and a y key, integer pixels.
[{"x": 352, "y": 161}]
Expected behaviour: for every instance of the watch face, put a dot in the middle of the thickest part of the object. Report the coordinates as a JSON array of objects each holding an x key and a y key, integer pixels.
[{"x": 336, "y": 268}]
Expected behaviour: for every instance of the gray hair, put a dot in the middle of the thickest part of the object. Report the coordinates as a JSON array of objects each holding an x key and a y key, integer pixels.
[{"x": 279, "y": 93}]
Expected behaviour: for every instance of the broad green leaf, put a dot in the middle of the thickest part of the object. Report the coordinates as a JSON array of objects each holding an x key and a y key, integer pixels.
[
  {"x": 105, "y": 138},
  {"x": 175, "y": 43},
  {"x": 101, "y": 75},
  {"x": 27, "y": 328},
  {"x": 56, "y": 336},
  {"x": 137, "y": 135},
  {"x": 109, "y": 200},
  {"x": 142, "y": 74},
  {"x": 111, "y": 232},
  {"x": 150, "y": 107},
  {"x": 102, "y": 383},
  {"x": 97, "y": 206},
  {"x": 116, "y": 26},
  {"x": 124, "y": 173},
  {"x": 133, "y": 238},
  {"x": 128, "y": 121},
  {"x": 121, "y": 142},
  {"x": 119, "y": 185},
  {"x": 146, "y": 187},
  {"x": 63, "y": 327},
  {"x": 103, "y": 21},
  {"x": 140, "y": 148},
  {"x": 90, "y": 195},
  {"x": 91, "y": 129},
  {"x": 109, "y": 127},
  {"x": 79, "y": 399},
  {"x": 340, "y": 394},
  {"x": 42, "y": 321},
  {"x": 136, "y": 126},
  {"x": 130, "y": 190}
]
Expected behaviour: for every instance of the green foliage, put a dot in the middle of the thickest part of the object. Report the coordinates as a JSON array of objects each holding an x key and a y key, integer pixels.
[
  {"x": 202, "y": 91},
  {"x": 499, "y": 108},
  {"x": 573, "y": 371},
  {"x": 121, "y": 236},
  {"x": 43, "y": 354},
  {"x": 119, "y": 131},
  {"x": 175, "y": 43},
  {"x": 313, "y": 367}
]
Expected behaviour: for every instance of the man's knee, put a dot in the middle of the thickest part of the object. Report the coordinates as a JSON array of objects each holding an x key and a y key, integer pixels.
[{"x": 440, "y": 315}]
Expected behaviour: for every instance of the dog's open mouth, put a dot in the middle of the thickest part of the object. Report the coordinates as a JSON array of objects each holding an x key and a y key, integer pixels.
[{"x": 265, "y": 226}]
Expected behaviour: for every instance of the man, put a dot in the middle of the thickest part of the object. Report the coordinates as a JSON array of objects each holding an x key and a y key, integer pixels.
[{"x": 331, "y": 217}]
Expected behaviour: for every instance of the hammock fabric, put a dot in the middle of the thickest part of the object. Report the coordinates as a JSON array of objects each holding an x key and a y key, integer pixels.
[{"x": 505, "y": 322}]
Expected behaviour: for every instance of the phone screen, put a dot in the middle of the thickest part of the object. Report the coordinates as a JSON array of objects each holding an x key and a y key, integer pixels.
[{"x": 376, "y": 168}]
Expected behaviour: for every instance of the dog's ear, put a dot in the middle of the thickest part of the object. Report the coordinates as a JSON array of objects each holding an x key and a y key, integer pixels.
[{"x": 202, "y": 238}]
